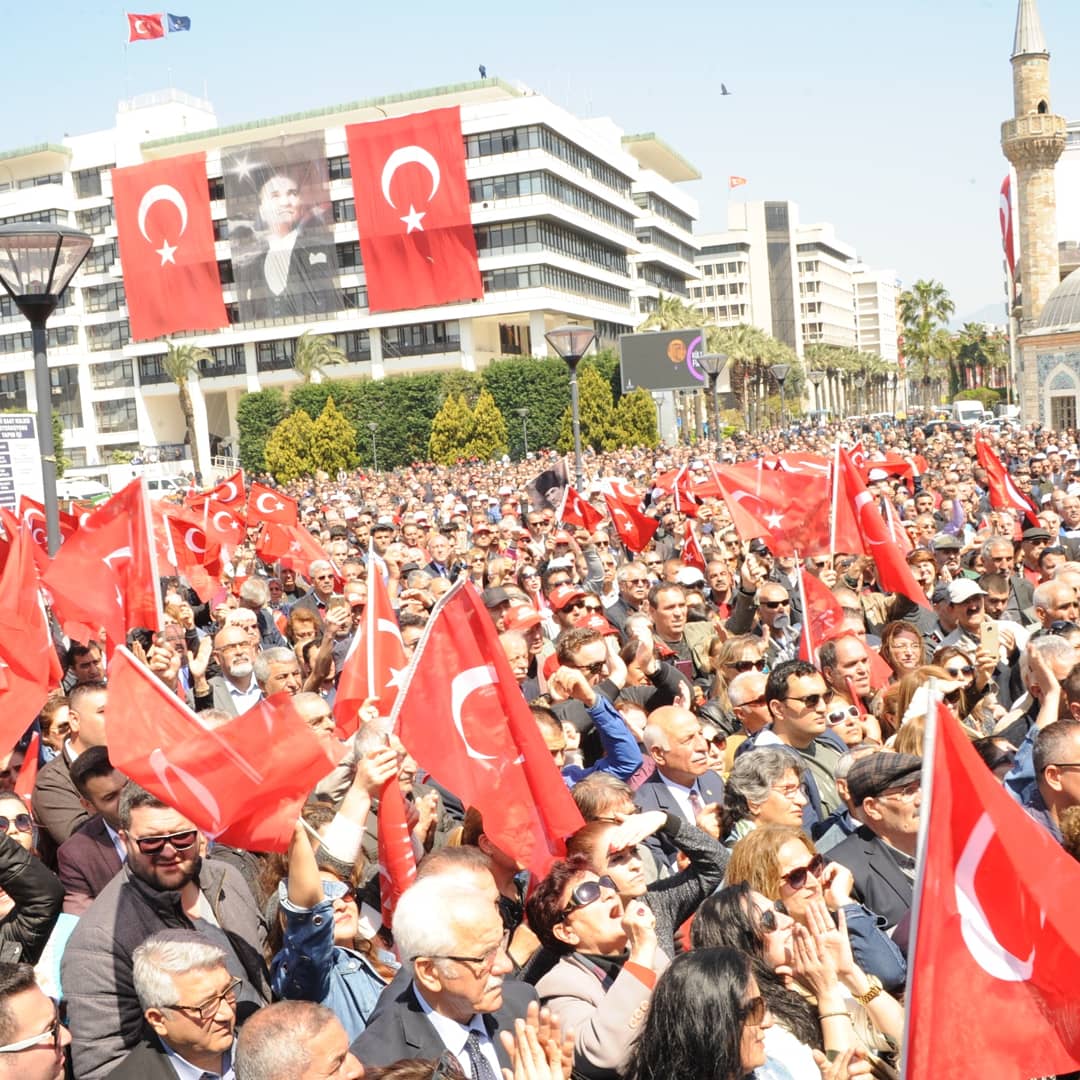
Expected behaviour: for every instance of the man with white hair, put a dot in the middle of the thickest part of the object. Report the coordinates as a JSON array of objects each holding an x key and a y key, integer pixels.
[
  {"x": 321, "y": 591},
  {"x": 458, "y": 998},
  {"x": 188, "y": 998},
  {"x": 278, "y": 670}
]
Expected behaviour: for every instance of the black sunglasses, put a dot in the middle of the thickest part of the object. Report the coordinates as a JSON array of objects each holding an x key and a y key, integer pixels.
[
  {"x": 796, "y": 879},
  {"x": 180, "y": 841},
  {"x": 1062, "y": 626},
  {"x": 748, "y": 665},
  {"x": 753, "y": 1011},
  {"x": 772, "y": 605},
  {"x": 23, "y": 822},
  {"x": 810, "y": 701},
  {"x": 588, "y": 892},
  {"x": 593, "y": 669}
]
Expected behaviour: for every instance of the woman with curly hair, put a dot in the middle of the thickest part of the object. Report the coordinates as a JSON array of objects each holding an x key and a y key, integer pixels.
[{"x": 902, "y": 647}]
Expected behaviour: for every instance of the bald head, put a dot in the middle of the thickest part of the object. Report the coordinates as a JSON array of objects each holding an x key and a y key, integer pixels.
[{"x": 674, "y": 740}]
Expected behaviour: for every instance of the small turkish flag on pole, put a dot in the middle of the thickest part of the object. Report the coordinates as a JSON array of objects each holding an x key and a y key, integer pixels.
[
  {"x": 992, "y": 988},
  {"x": 576, "y": 511},
  {"x": 735, "y": 181},
  {"x": 228, "y": 494},
  {"x": 266, "y": 504},
  {"x": 1003, "y": 492},
  {"x": 397, "y": 860},
  {"x": 145, "y": 27},
  {"x": 692, "y": 554}
]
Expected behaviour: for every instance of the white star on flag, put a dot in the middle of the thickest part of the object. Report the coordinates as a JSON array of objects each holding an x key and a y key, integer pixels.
[
  {"x": 412, "y": 219},
  {"x": 397, "y": 678},
  {"x": 167, "y": 252},
  {"x": 774, "y": 520}
]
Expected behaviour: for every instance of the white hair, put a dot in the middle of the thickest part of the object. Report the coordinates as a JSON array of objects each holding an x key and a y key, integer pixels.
[
  {"x": 419, "y": 931},
  {"x": 277, "y": 655},
  {"x": 372, "y": 735},
  {"x": 169, "y": 953}
]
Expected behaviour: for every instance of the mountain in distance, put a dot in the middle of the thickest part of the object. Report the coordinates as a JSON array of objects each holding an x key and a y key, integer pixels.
[{"x": 991, "y": 314}]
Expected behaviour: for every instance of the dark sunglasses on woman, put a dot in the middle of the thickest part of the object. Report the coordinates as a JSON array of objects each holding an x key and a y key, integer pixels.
[{"x": 796, "y": 879}]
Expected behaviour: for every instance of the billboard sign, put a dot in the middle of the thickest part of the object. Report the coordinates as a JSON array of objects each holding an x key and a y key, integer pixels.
[
  {"x": 666, "y": 360},
  {"x": 20, "y": 460}
]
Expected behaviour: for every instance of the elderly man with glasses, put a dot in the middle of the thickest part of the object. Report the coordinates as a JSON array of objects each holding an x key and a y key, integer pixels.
[
  {"x": 322, "y": 589},
  {"x": 188, "y": 998},
  {"x": 164, "y": 883}
]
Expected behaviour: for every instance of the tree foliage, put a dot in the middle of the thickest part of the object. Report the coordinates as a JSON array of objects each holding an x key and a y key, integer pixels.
[
  {"x": 541, "y": 386},
  {"x": 487, "y": 438},
  {"x": 333, "y": 441},
  {"x": 635, "y": 420},
  {"x": 256, "y": 416},
  {"x": 314, "y": 353},
  {"x": 451, "y": 430},
  {"x": 181, "y": 362},
  {"x": 288, "y": 449}
]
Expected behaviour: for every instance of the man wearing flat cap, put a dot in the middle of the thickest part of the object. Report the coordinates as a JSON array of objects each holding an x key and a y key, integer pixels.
[{"x": 885, "y": 791}]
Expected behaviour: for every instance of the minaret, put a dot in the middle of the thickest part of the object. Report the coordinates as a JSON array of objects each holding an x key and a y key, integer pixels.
[{"x": 1033, "y": 141}]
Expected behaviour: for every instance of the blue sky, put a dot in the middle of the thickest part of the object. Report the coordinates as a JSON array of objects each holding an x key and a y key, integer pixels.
[{"x": 880, "y": 117}]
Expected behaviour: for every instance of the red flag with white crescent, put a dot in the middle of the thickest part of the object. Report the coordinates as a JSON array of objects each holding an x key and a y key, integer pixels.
[
  {"x": 229, "y": 494},
  {"x": 576, "y": 511},
  {"x": 1006, "y": 222},
  {"x": 992, "y": 987},
  {"x": 692, "y": 554},
  {"x": 268, "y": 504},
  {"x": 397, "y": 860},
  {"x": 1001, "y": 488}
]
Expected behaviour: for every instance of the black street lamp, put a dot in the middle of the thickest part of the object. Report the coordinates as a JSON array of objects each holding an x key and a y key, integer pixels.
[
  {"x": 373, "y": 427},
  {"x": 817, "y": 377},
  {"x": 572, "y": 343},
  {"x": 713, "y": 365},
  {"x": 860, "y": 397},
  {"x": 36, "y": 263},
  {"x": 524, "y": 414},
  {"x": 780, "y": 374}
]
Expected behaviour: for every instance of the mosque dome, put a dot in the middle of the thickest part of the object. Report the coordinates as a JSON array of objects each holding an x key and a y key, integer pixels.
[{"x": 1062, "y": 310}]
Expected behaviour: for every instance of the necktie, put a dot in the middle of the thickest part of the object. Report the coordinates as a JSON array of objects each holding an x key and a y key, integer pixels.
[
  {"x": 478, "y": 1064},
  {"x": 695, "y": 804}
]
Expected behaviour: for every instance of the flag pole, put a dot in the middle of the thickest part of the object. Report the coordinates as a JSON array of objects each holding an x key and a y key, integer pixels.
[
  {"x": 834, "y": 477},
  {"x": 930, "y": 736},
  {"x": 369, "y": 618}
]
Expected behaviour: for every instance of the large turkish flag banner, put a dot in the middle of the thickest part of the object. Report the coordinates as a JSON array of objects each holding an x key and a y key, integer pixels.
[
  {"x": 412, "y": 210},
  {"x": 167, "y": 247},
  {"x": 992, "y": 987}
]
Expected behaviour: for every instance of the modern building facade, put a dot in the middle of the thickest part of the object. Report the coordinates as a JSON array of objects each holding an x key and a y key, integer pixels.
[{"x": 573, "y": 219}]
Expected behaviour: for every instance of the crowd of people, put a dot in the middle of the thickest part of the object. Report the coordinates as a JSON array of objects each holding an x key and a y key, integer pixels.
[{"x": 738, "y": 899}]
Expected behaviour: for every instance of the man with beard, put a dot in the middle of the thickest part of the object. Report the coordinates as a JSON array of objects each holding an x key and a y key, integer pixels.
[{"x": 235, "y": 690}]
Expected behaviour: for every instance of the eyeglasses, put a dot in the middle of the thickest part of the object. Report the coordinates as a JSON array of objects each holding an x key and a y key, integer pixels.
[
  {"x": 796, "y": 879},
  {"x": 592, "y": 669},
  {"x": 51, "y": 1035},
  {"x": 772, "y": 605},
  {"x": 753, "y": 1011},
  {"x": 748, "y": 665},
  {"x": 338, "y": 890},
  {"x": 204, "y": 1013},
  {"x": 811, "y": 701},
  {"x": 594, "y": 607},
  {"x": 486, "y": 962},
  {"x": 588, "y": 892},
  {"x": 575, "y": 605},
  {"x": 904, "y": 794},
  {"x": 636, "y": 581},
  {"x": 179, "y": 841},
  {"x": 958, "y": 672},
  {"x": 654, "y": 563},
  {"x": 838, "y": 716},
  {"x": 23, "y": 822},
  {"x": 753, "y": 701},
  {"x": 1062, "y": 626}
]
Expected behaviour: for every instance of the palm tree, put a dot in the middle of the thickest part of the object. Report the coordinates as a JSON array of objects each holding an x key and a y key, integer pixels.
[
  {"x": 924, "y": 310},
  {"x": 181, "y": 362},
  {"x": 314, "y": 352},
  {"x": 978, "y": 352},
  {"x": 673, "y": 314}
]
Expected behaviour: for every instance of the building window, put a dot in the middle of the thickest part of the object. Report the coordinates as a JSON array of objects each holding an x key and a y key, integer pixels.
[
  {"x": 348, "y": 255},
  {"x": 40, "y": 181},
  {"x": 88, "y": 181},
  {"x": 77, "y": 457},
  {"x": 344, "y": 210},
  {"x": 112, "y": 375},
  {"x": 225, "y": 271},
  {"x": 216, "y": 184},
  {"x": 95, "y": 220},
  {"x": 516, "y": 237},
  {"x": 659, "y": 238},
  {"x": 338, "y": 167},
  {"x": 66, "y": 400},
  {"x": 516, "y": 185},
  {"x": 13, "y": 390},
  {"x": 113, "y": 416},
  {"x": 55, "y": 337},
  {"x": 100, "y": 259},
  {"x": 152, "y": 370},
  {"x": 227, "y": 360},
  {"x": 510, "y": 339},
  {"x": 46, "y": 217},
  {"x": 103, "y": 297},
  {"x": 113, "y": 335},
  {"x": 355, "y": 344},
  {"x": 662, "y": 278},
  {"x": 275, "y": 355},
  {"x": 355, "y": 297},
  {"x": 1063, "y": 412},
  {"x": 221, "y": 228},
  {"x": 552, "y": 277},
  {"x": 662, "y": 208},
  {"x": 421, "y": 339}
]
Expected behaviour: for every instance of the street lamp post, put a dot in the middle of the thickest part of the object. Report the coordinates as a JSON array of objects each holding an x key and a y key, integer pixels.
[
  {"x": 524, "y": 414},
  {"x": 780, "y": 374},
  {"x": 713, "y": 365},
  {"x": 572, "y": 342},
  {"x": 373, "y": 427},
  {"x": 36, "y": 263},
  {"x": 860, "y": 385},
  {"x": 817, "y": 377}
]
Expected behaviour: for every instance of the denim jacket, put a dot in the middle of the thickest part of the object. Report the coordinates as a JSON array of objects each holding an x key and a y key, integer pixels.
[{"x": 310, "y": 967}]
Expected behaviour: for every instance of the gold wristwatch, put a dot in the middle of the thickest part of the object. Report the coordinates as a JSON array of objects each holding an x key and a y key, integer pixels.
[{"x": 875, "y": 989}]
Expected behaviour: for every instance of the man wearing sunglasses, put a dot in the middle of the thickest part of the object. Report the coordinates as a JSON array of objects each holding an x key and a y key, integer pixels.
[
  {"x": 885, "y": 791},
  {"x": 33, "y": 1042},
  {"x": 188, "y": 998},
  {"x": 164, "y": 884},
  {"x": 633, "y": 581}
]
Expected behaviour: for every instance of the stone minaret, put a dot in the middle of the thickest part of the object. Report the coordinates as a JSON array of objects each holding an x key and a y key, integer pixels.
[{"x": 1033, "y": 141}]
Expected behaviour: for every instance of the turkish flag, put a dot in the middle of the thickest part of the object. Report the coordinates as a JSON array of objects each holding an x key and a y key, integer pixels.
[
  {"x": 145, "y": 27},
  {"x": 375, "y": 664},
  {"x": 194, "y": 553},
  {"x": 267, "y": 504},
  {"x": 412, "y": 210},
  {"x": 242, "y": 783},
  {"x": 786, "y": 507},
  {"x": 26, "y": 647},
  {"x": 576, "y": 511},
  {"x": 823, "y": 617},
  {"x": 397, "y": 860},
  {"x": 692, "y": 554},
  {"x": 230, "y": 493},
  {"x": 1003, "y": 492},
  {"x": 167, "y": 247},
  {"x": 992, "y": 987},
  {"x": 221, "y": 524},
  {"x": 634, "y": 528},
  {"x": 105, "y": 575},
  {"x": 32, "y": 515},
  {"x": 463, "y": 719},
  {"x": 894, "y": 574}
]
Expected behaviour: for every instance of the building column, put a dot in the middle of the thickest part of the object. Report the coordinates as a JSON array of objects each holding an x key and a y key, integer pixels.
[
  {"x": 251, "y": 368},
  {"x": 378, "y": 368},
  {"x": 467, "y": 344},
  {"x": 538, "y": 345},
  {"x": 202, "y": 429}
]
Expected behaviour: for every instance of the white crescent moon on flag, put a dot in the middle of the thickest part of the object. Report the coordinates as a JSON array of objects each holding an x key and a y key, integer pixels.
[
  {"x": 189, "y": 540},
  {"x": 118, "y": 553},
  {"x": 230, "y": 487},
  {"x": 162, "y": 193},
  {"x": 385, "y": 626},
  {"x": 405, "y": 155},
  {"x": 461, "y": 686},
  {"x": 984, "y": 947},
  {"x": 218, "y": 525},
  {"x": 263, "y": 509},
  {"x": 162, "y": 766}
]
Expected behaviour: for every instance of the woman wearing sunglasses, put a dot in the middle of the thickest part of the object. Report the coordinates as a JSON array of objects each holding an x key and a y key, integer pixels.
[
  {"x": 764, "y": 788},
  {"x": 708, "y": 1021},
  {"x": 807, "y": 979},
  {"x": 782, "y": 864},
  {"x": 318, "y": 951},
  {"x": 608, "y": 960},
  {"x": 730, "y": 658},
  {"x": 614, "y": 850}
]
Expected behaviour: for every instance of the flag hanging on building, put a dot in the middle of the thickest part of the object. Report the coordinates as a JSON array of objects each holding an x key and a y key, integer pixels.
[
  {"x": 412, "y": 210},
  {"x": 166, "y": 243},
  {"x": 145, "y": 27},
  {"x": 1005, "y": 220}
]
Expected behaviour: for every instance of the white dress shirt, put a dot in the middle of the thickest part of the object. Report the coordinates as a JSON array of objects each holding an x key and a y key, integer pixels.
[{"x": 454, "y": 1035}]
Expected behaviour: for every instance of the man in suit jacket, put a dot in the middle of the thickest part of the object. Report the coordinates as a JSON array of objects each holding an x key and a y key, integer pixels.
[
  {"x": 682, "y": 784},
  {"x": 235, "y": 690},
  {"x": 90, "y": 858},
  {"x": 188, "y": 998},
  {"x": 457, "y": 999},
  {"x": 885, "y": 790}
]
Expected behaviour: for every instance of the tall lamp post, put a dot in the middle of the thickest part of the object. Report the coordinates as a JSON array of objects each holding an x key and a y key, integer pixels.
[
  {"x": 658, "y": 401},
  {"x": 524, "y": 414},
  {"x": 713, "y": 365},
  {"x": 817, "y": 377},
  {"x": 36, "y": 263},
  {"x": 860, "y": 386},
  {"x": 373, "y": 427},
  {"x": 572, "y": 343},
  {"x": 780, "y": 374}
]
